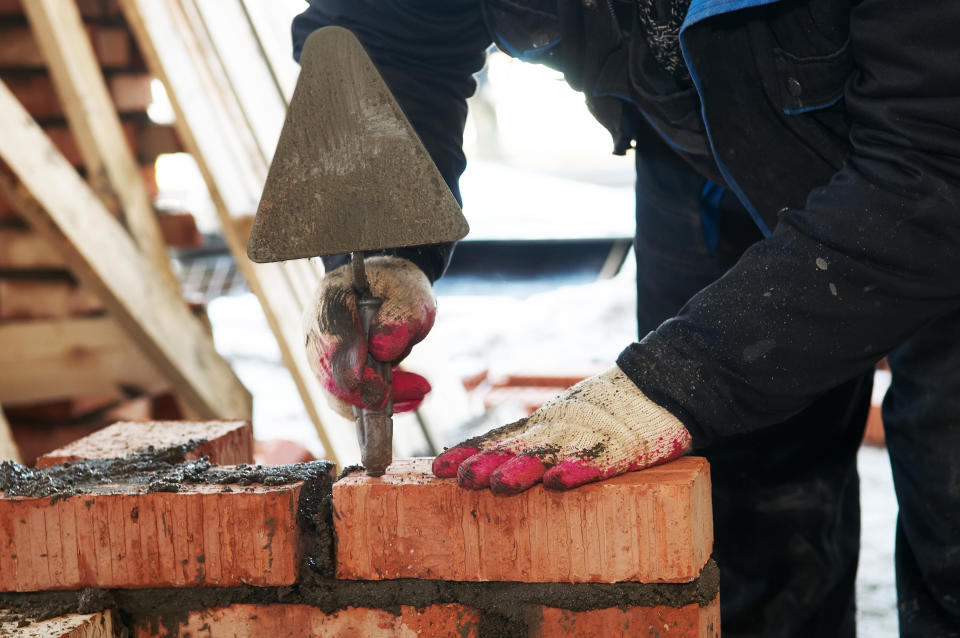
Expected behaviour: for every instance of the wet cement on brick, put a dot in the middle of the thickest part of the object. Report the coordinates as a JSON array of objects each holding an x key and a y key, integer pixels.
[
  {"x": 157, "y": 470},
  {"x": 501, "y": 604}
]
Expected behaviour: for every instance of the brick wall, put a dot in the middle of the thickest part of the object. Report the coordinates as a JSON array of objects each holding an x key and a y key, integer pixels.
[{"x": 166, "y": 546}]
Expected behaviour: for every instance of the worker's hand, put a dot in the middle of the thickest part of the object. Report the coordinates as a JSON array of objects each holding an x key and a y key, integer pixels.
[
  {"x": 337, "y": 349},
  {"x": 599, "y": 428}
]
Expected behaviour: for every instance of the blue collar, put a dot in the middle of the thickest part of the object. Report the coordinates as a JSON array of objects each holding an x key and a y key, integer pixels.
[{"x": 703, "y": 9}]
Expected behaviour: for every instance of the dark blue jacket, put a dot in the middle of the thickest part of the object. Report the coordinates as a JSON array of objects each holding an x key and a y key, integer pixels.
[{"x": 837, "y": 125}]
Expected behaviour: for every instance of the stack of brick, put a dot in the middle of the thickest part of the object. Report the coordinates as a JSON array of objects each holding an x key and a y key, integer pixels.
[
  {"x": 159, "y": 548},
  {"x": 35, "y": 285}
]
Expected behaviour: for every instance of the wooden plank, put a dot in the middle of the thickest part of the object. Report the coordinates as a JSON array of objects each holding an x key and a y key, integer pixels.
[
  {"x": 114, "y": 173},
  {"x": 8, "y": 447},
  {"x": 200, "y": 126},
  {"x": 59, "y": 205},
  {"x": 52, "y": 360}
]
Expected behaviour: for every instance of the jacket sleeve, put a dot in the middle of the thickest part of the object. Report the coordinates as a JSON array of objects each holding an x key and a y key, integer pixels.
[
  {"x": 872, "y": 257},
  {"x": 427, "y": 52}
]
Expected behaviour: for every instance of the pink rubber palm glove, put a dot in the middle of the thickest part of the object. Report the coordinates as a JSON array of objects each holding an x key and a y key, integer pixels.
[
  {"x": 337, "y": 349},
  {"x": 601, "y": 427}
]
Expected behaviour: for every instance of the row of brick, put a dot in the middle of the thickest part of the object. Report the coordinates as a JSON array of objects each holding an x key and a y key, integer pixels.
[
  {"x": 651, "y": 526},
  {"x": 436, "y": 621}
]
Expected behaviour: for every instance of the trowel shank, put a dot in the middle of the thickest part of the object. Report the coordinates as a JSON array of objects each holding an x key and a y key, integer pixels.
[{"x": 374, "y": 427}]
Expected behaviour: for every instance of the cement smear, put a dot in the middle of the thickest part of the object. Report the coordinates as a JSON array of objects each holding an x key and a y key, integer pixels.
[{"x": 158, "y": 470}]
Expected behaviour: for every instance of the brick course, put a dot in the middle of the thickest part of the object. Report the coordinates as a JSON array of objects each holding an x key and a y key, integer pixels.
[
  {"x": 649, "y": 526},
  {"x": 122, "y": 536},
  {"x": 256, "y": 621},
  {"x": 689, "y": 621}
]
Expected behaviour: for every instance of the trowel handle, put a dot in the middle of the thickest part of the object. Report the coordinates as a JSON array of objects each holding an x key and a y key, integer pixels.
[{"x": 374, "y": 427}]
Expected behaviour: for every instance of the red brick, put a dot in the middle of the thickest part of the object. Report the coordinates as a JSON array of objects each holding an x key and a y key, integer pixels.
[
  {"x": 130, "y": 91},
  {"x": 651, "y": 526},
  {"x": 122, "y": 536},
  {"x": 45, "y": 299},
  {"x": 36, "y": 93},
  {"x": 254, "y": 621},
  {"x": 542, "y": 378},
  {"x": 528, "y": 398},
  {"x": 691, "y": 621},
  {"x": 179, "y": 229},
  {"x": 156, "y": 139},
  {"x": 473, "y": 381},
  {"x": 19, "y": 49},
  {"x": 98, "y": 625},
  {"x": 874, "y": 433},
  {"x": 63, "y": 139},
  {"x": 227, "y": 442},
  {"x": 7, "y": 211},
  {"x": 281, "y": 452},
  {"x": 88, "y": 8},
  {"x": 149, "y": 174}
]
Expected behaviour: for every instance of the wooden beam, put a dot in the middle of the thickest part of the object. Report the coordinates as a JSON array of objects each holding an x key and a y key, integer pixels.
[
  {"x": 53, "y": 360},
  {"x": 113, "y": 171},
  {"x": 199, "y": 115},
  {"x": 58, "y": 204},
  {"x": 8, "y": 447}
]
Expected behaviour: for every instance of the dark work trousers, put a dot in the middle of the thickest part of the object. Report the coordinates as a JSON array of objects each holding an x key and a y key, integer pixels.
[
  {"x": 921, "y": 416},
  {"x": 785, "y": 499}
]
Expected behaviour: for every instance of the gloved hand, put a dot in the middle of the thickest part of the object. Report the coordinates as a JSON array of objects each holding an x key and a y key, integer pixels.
[
  {"x": 601, "y": 427},
  {"x": 337, "y": 349}
]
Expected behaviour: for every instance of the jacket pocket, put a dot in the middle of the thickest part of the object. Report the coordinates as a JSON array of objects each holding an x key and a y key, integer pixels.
[{"x": 811, "y": 83}]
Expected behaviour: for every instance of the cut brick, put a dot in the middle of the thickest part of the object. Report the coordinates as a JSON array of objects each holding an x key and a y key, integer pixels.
[
  {"x": 225, "y": 442},
  {"x": 650, "y": 526},
  {"x": 690, "y": 621},
  {"x": 122, "y": 536},
  {"x": 281, "y": 452},
  {"x": 529, "y": 399},
  {"x": 179, "y": 229},
  {"x": 254, "y": 621},
  {"x": 99, "y": 625}
]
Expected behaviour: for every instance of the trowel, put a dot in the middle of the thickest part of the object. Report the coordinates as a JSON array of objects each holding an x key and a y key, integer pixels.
[{"x": 350, "y": 175}]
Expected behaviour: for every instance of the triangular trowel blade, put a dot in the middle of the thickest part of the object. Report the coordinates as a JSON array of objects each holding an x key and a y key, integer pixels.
[{"x": 349, "y": 172}]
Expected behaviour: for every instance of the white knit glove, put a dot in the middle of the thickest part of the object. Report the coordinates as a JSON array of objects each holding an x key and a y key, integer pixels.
[
  {"x": 601, "y": 427},
  {"x": 336, "y": 347}
]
